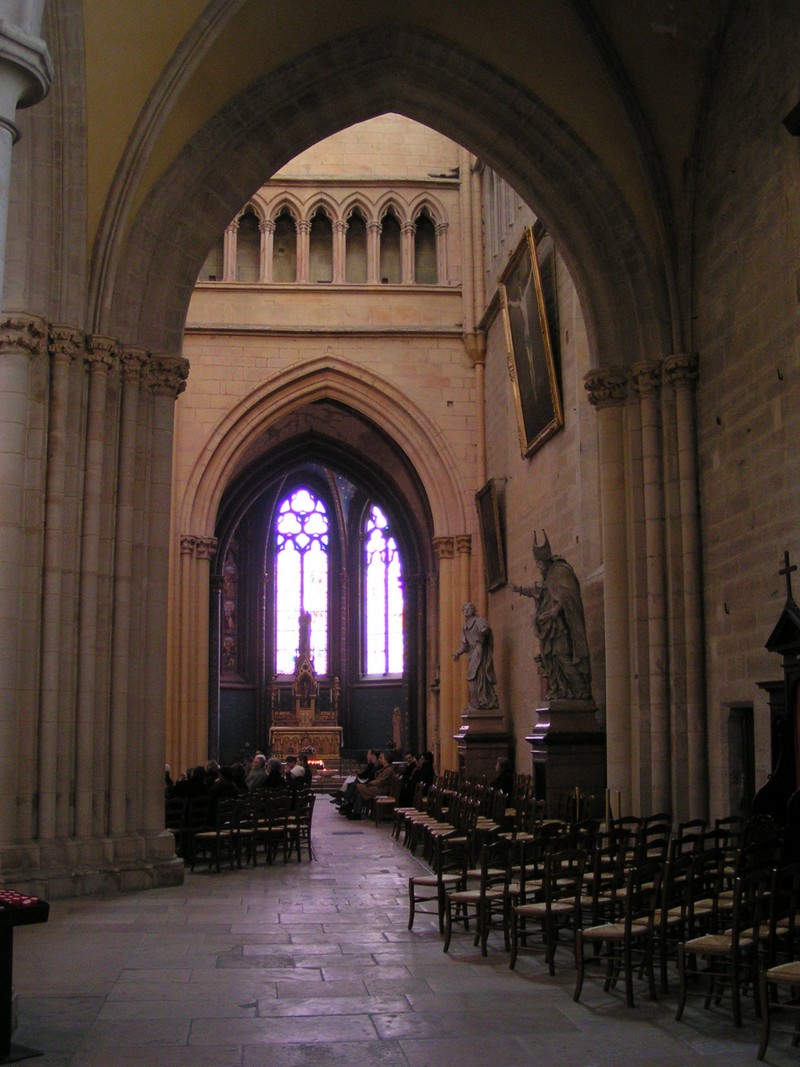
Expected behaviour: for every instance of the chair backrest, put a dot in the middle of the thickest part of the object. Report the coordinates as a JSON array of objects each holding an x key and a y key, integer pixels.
[
  {"x": 174, "y": 812},
  {"x": 564, "y": 872},
  {"x": 784, "y": 899},
  {"x": 642, "y": 893},
  {"x": 749, "y": 905}
]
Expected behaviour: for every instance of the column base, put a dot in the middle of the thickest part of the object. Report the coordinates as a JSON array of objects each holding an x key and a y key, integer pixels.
[{"x": 74, "y": 867}]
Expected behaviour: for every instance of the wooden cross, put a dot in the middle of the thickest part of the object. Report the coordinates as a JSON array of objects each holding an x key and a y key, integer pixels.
[{"x": 787, "y": 570}]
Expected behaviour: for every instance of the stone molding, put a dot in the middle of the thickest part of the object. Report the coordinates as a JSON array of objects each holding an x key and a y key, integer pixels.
[
  {"x": 605, "y": 386},
  {"x": 23, "y": 333},
  {"x": 28, "y": 55}
]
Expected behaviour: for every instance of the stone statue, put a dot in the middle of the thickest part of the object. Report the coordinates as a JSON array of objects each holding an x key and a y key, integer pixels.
[
  {"x": 478, "y": 643},
  {"x": 560, "y": 626}
]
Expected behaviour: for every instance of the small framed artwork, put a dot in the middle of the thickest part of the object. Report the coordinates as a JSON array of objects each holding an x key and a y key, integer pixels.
[
  {"x": 494, "y": 557},
  {"x": 531, "y": 363}
]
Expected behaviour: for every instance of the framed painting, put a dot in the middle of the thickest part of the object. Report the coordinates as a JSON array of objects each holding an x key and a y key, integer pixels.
[
  {"x": 531, "y": 364},
  {"x": 494, "y": 557}
]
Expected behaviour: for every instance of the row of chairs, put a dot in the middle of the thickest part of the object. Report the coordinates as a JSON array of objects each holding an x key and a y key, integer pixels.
[
  {"x": 266, "y": 822},
  {"x": 717, "y": 905}
]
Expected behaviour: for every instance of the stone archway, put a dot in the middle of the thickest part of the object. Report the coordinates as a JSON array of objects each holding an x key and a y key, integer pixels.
[
  {"x": 397, "y": 447},
  {"x": 356, "y": 77}
]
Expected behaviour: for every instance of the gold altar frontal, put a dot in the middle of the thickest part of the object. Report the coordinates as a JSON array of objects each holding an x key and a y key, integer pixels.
[{"x": 326, "y": 741}]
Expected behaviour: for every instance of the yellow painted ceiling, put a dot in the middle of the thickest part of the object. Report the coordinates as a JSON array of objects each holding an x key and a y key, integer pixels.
[{"x": 538, "y": 43}]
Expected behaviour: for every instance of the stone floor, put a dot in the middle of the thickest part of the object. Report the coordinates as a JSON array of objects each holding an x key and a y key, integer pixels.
[{"x": 312, "y": 964}]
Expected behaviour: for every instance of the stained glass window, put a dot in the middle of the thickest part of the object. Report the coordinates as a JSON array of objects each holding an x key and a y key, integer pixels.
[
  {"x": 383, "y": 598},
  {"x": 301, "y": 578}
]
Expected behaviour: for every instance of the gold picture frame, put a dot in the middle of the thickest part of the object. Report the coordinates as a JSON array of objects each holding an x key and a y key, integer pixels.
[
  {"x": 494, "y": 557},
  {"x": 531, "y": 364}
]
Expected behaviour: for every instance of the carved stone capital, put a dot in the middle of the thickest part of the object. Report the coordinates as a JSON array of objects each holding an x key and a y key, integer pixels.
[
  {"x": 444, "y": 547},
  {"x": 23, "y": 333},
  {"x": 267, "y": 226},
  {"x": 340, "y": 226},
  {"x": 101, "y": 351},
  {"x": 464, "y": 544},
  {"x": 374, "y": 227},
  {"x": 29, "y": 58},
  {"x": 206, "y": 547},
  {"x": 605, "y": 386},
  {"x": 680, "y": 369},
  {"x": 408, "y": 227},
  {"x": 304, "y": 226},
  {"x": 441, "y": 228},
  {"x": 132, "y": 360},
  {"x": 64, "y": 343},
  {"x": 167, "y": 375},
  {"x": 646, "y": 377},
  {"x": 188, "y": 542}
]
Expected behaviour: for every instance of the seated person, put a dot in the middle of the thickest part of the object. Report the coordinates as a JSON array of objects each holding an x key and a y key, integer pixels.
[
  {"x": 275, "y": 778},
  {"x": 347, "y": 794},
  {"x": 406, "y": 774},
  {"x": 504, "y": 776},
  {"x": 380, "y": 785},
  {"x": 258, "y": 772},
  {"x": 424, "y": 773}
]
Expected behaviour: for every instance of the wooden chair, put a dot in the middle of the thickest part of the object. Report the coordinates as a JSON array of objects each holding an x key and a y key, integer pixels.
[
  {"x": 630, "y": 935},
  {"x": 383, "y": 806},
  {"x": 223, "y": 838},
  {"x": 731, "y": 954},
  {"x": 448, "y": 874},
  {"x": 272, "y": 829},
  {"x": 486, "y": 903},
  {"x": 175, "y": 809},
  {"x": 298, "y": 824},
  {"x": 559, "y": 911}
]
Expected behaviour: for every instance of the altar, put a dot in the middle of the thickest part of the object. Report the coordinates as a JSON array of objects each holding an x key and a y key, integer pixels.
[
  {"x": 320, "y": 742},
  {"x": 307, "y": 727}
]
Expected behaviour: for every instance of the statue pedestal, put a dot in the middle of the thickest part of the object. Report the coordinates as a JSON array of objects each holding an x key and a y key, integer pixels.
[
  {"x": 482, "y": 740},
  {"x": 569, "y": 752}
]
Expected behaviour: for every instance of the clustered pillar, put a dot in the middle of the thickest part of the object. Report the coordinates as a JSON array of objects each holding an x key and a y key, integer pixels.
[
  {"x": 86, "y": 475},
  {"x": 655, "y": 711}
]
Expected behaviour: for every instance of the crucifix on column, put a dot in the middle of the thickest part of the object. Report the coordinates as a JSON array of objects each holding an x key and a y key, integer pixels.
[{"x": 788, "y": 569}]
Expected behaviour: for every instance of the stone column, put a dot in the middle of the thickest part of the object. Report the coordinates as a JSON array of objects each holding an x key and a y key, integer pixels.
[
  {"x": 180, "y": 748},
  {"x": 266, "y": 249},
  {"x": 65, "y": 344},
  {"x": 442, "y": 272},
  {"x": 449, "y": 704},
  {"x": 680, "y": 371},
  {"x": 647, "y": 379},
  {"x": 205, "y": 551},
  {"x": 339, "y": 250},
  {"x": 229, "y": 249},
  {"x": 303, "y": 249},
  {"x": 26, "y": 72},
  {"x": 408, "y": 232},
  {"x": 166, "y": 380},
  {"x": 22, "y": 339},
  {"x": 475, "y": 344},
  {"x": 373, "y": 253},
  {"x": 132, "y": 362},
  {"x": 464, "y": 595},
  {"x": 100, "y": 357},
  {"x": 607, "y": 389}
]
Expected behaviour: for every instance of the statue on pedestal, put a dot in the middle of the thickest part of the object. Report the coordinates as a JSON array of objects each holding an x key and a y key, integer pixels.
[
  {"x": 560, "y": 626},
  {"x": 477, "y": 642}
]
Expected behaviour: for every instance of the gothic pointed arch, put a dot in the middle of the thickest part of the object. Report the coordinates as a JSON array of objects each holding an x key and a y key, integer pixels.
[
  {"x": 425, "y": 77},
  {"x": 340, "y": 381}
]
